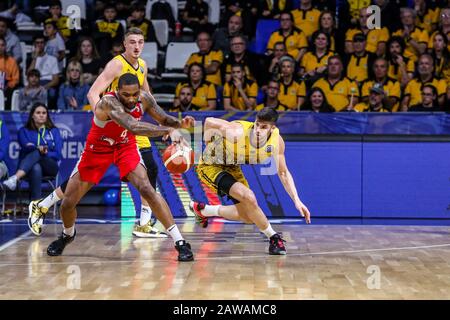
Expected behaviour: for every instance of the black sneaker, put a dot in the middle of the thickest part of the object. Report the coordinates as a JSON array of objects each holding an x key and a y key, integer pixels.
[
  {"x": 184, "y": 251},
  {"x": 277, "y": 245},
  {"x": 56, "y": 248}
]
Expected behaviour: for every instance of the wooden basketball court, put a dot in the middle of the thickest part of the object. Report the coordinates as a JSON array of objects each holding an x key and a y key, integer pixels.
[{"x": 324, "y": 262}]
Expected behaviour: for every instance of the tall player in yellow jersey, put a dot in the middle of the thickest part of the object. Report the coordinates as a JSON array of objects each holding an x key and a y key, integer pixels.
[
  {"x": 127, "y": 62},
  {"x": 230, "y": 144}
]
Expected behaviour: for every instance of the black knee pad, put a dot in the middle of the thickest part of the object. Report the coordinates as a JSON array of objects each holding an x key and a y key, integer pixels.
[{"x": 224, "y": 182}]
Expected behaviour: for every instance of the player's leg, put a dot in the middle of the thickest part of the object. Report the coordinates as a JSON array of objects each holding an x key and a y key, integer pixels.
[
  {"x": 76, "y": 189},
  {"x": 139, "y": 179}
]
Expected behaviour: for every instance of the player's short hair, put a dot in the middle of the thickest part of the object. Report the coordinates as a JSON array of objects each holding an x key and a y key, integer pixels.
[
  {"x": 268, "y": 115},
  {"x": 128, "y": 79},
  {"x": 132, "y": 31}
]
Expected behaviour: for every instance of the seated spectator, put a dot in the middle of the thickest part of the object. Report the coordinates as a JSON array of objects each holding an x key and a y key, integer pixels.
[
  {"x": 375, "y": 38},
  {"x": 138, "y": 20},
  {"x": 117, "y": 48},
  {"x": 107, "y": 30},
  {"x": 204, "y": 93},
  {"x": 210, "y": 59},
  {"x": 55, "y": 44},
  {"x": 222, "y": 36},
  {"x": 195, "y": 16},
  {"x": 239, "y": 94},
  {"x": 327, "y": 24},
  {"x": 89, "y": 58},
  {"x": 13, "y": 47},
  {"x": 375, "y": 103},
  {"x": 73, "y": 93},
  {"x": 341, "y": 92},
  {"x": 425, "y": 70},
  {"x": 349, "y": 11},
  {"x": 441, "y": 56},
  {"x": 444, "y": 27},
  {"x": 122, "y": 9},
  {"x": 400, "y": 68},
  {"x": 161, "y": 10},
  {"x": 4, "y": 146},
  {"x": 429, "y": 101},
  {"x": 271, "y": 99},
  {"x": 390, "y": 86},
  {"x": 33, "y": 92},
  {"x": 48, "y": 67},
  {"x": 185, "y": 100},
  {"x": 248, "y": 10},
  {"x": 416, "y": 38},
  {"x": 317, "y": 102},
  {"x": 40, "y": 150},
  {"x": 292, "y": 93},
  {"x": 279, "y": 51},
  {"x": 271, "y": 9},
  {"x": 61, "y": 21},
  {"x": 359, "y": 62},
  {"x": 315, "y": 61},
  {"x": 294, "y": 39},
  {"x": 9, "y": 72},
  {"x": 306, "y": 18},
  {"x": 427, "y": 18}
]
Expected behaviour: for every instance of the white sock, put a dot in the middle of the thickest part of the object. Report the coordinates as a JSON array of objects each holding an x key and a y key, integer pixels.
[
  {"x": 175, "y": 233},
  {"x": 211, "y": 211},
  {"x": 69, "y": 231},
  {"x": 50, "y": 200},
  {"x": 269, "y": 231},
  {"x": 146, "y": 215},
  {"x": 13, "y": 178}
]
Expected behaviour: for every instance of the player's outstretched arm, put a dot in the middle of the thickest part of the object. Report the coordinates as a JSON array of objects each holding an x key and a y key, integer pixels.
[
  {"x": 157, "y": 113},
  {"x": 112, "y": 70},
  {"x": 111, "y": 107},
  {"x": 228, "y": 130},
  {"x": 288, "y": 182}
]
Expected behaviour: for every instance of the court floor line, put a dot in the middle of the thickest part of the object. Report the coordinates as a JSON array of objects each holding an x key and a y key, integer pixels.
[
  {"x": 231, "y": 257},
  {"x": 15, "y": 240}
]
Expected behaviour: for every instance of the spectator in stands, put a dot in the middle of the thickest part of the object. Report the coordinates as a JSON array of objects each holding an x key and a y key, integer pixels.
[
  {"x": 89, "y": 58},
  {"x": 425, "y": 70},
  {"x": 400, "y": 68},
  {"x": 390, "y": 86},
  {"x": 349, "y": 11},
  {"x": 306, "y": 17},
  {"x": 248, "y": 10},
  {"x": 137, "y": 19},
  {"x": 317, "y": 102},
  {"x": 429, "y": 100},
  {"x": 13, "y": 47},
  {"x": 48, "y": 67},
  {"x": 55, "y": 44},
  {"x": 315, "y": 61},
  {"x": 185, "y": 100},
  {"x": 210, "y": 59},
  {"x": 327, "y": 24},
  {"x": 416, "y": 38},
  {"x": 40, "y": 150},
  {"x": 33, "y": 92},
  {"x": 271, "y": 98},
  {"x": 359, "y": 62},
  {"x": 4, "y": 147},
  {"x": 441, "y": 56},
  {"x": 239, "y": 94},
  {"x": 117, "y": 48},
  {"x": 271, "y": 9},
  {"x": 73, "y": 93},
  {"x": 9, "y": 72},
  {"x": 294, "y": 39},
  {"x": 222, "y": 36},
  {"x": 195, "y": 16},
  {"x": 204, "y": 92},
  {"x": 161, "y": 10},
  {"x": 341, "y": 92},
  {"x": 122, "y": 9},
  {"x": 375, "y": 102},
  {"x": 107, "y": 30},
  {"x": 325, "y": 5},
  {"x": 444, "y": 27},
  {"x": 427, "y": 18},
  {"x": 390, "y": 13},
  {"x": 292, "y": 93},
  {"x": 375, "y": 38},
  {"x": 279, "y": 51},
  {"x": 60, "y": 20}
]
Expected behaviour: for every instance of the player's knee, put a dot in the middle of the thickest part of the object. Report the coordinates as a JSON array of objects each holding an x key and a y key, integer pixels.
[
  {"x": 250, "y": 198},
  {"x": 147, "y": 191},
  {"x": 68, "y": 204}
]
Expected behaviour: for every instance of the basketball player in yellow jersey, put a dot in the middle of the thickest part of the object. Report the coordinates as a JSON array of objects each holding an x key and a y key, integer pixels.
[{"x": 230, "y": 144}]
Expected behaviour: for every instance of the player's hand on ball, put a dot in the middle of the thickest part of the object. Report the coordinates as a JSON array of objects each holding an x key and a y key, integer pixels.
[
  {"x": 177, "y": 137},
  {"x": 304, "y": 211},
  {"x": 187, "y": 122}
]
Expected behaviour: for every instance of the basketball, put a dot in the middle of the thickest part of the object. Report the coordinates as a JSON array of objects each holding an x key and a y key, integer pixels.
[{"x": 178, "y": 158}]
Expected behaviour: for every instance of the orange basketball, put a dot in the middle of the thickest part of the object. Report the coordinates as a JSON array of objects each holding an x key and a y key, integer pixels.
[{"x": 178, "y": 158}]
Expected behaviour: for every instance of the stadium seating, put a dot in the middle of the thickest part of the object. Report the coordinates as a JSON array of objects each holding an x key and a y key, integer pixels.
[
  {"x": 176, "y": 56},
  {"x": 264, "y": 29},
  {"x": 161, "y": 31},
  {"x": 80, "y": 3},
  {"x": 150, "y": 55}
]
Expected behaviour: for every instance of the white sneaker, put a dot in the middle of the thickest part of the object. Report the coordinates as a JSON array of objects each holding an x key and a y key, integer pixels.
[
  {"x": 11, "y": 183},
  {"x": 147, "y": 231}
]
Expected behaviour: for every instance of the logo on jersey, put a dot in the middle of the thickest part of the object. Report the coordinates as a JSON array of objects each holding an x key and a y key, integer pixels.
[
  {"x": 109, "y": 140},
  {"x": 269, "y": 148}
]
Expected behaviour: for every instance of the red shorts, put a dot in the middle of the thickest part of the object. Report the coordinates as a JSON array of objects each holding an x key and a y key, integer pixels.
[{"x": 95, "y": 161}]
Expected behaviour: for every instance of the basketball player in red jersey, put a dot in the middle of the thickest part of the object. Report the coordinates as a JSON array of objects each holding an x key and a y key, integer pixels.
[{"x": 111, "y": 139}]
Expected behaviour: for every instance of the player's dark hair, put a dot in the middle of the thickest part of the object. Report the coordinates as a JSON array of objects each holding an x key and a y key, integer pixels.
[
  {"x": 268, "y": 115},
  {"x": 30, "y": 122},
  {"x": 128, "y": 79}
]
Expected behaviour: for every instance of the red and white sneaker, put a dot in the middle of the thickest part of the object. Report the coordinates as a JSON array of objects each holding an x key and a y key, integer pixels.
[{"x": 196, "y": 208}]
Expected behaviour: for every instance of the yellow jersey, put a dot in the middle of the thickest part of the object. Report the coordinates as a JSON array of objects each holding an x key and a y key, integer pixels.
[
  {"x": 390, "y": 86},
  {"x": 311, "y": 62},
  {"x": 419, "y": 35},
  {"x": 294, "y": 41},
  {"x": 373, "y": 37},
  {"x": 365, "y": 107},
  {"x": 339, "y": 94},
  {"x": 220, "y": 151},
  {"x": 290, "y": 92},
  {"x": 307, "y": 20},
  {"x": 231, "y": 92},
  {"x": 206, "y": 60},
  {"x": 62, "y": 25},
  {"x": 358, "y": 67},
  {"x": 414, "y": 89},
  {"x": 205, "y": 91},
  {"x": 139, "y": 72},
  {"x": 394, "y": 70},
  {"x": 427, "y": 21}
]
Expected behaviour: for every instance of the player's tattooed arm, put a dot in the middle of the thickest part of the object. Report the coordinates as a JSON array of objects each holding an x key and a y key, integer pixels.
[
  {"x": 114, "y": 109},
  {"x": 157, "y": 113}
]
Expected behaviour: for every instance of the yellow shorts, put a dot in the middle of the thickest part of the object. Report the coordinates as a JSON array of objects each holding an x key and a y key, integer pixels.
[
  {"x": 209, "y": 173},
  {"x": 143, "y": 142}
]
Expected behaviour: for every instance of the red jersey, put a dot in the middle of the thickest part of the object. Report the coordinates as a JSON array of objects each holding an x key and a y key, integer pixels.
[{"x": 108, "y": 133}]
